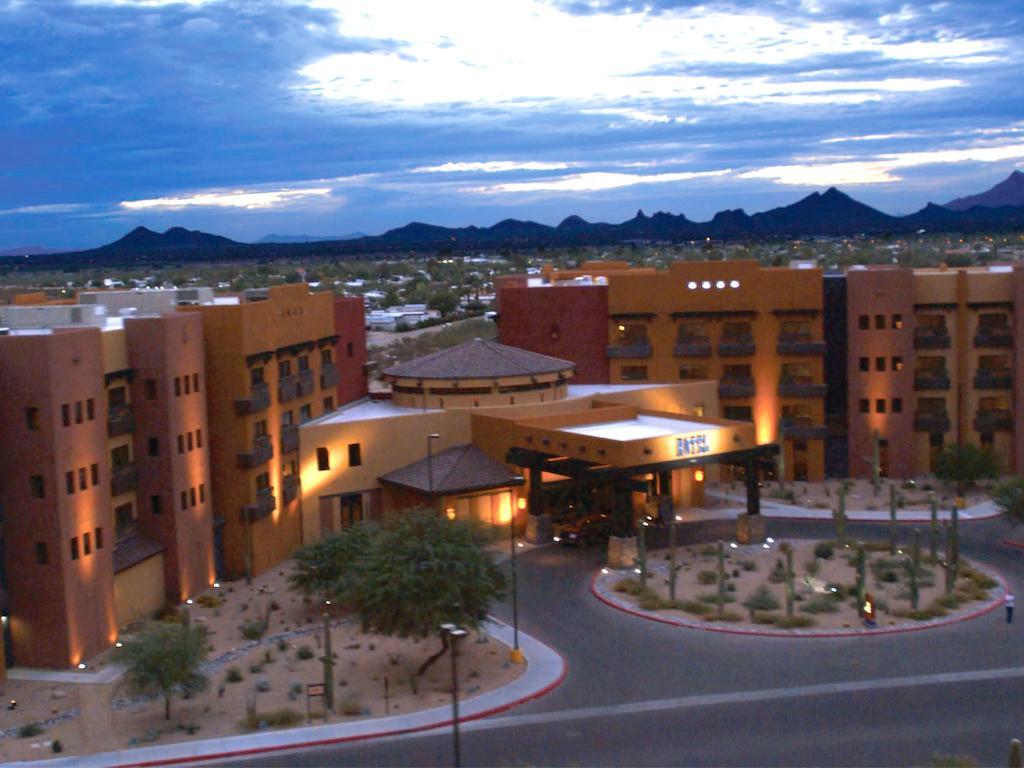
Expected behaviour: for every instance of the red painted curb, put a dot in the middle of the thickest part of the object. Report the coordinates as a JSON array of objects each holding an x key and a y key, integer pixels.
[
  {"x": 361, "y": 737},
  {"x": 921, "y": 521},
  {"x": 711, "y": 626},
  {"x": 1013, "y": 543}
]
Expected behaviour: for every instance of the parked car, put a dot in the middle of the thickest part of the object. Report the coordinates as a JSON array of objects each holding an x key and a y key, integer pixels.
[{"x": 583, "y": 531}]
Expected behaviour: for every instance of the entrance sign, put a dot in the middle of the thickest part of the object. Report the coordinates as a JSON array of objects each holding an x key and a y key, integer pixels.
[
  {"x": 315, "y": 690},
  {"x": 695, "y": 445}
]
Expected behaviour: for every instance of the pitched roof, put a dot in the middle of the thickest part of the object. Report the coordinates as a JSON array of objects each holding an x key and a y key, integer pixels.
[
  {"x": 455, "y": 470},
  {"x": 478, "y": 359},
  {"x": 133, "y": 550}
]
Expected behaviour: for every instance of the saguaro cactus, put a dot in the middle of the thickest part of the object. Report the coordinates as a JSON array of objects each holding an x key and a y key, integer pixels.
[
  {"x": 933, "y": 532},
  {"x": 954, "y": 530},
  {"x": 328, "y": 662},
  {"x": 914, "y": 568},
  {"x": 721, "y": 578},
  {"x": 860, "y": 562},
  {"x": 790, "y": 591},
  {"x": 641, "y": 552},
  {"x": 892, "y": 519},
  {"x": 672, "y": 573},
  {"x": 840, "y": 514}
]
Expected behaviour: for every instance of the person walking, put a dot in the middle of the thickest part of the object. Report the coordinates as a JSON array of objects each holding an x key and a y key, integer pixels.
[{"x": 1008, "y": 601}]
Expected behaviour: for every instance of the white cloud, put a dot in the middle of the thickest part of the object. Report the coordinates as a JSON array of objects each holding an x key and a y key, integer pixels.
[
  {"x": 530, "y": 53},
  {"x": 231, "y": 199},
  {"x": 882, "y": 169},
  {"x": 868, "y": 137},
  {"x": 43, "y": 209},
  {"x": 636, "y": 115},
  {"x": 594, "y": 182},
  {"x": 491, "y": 166}
]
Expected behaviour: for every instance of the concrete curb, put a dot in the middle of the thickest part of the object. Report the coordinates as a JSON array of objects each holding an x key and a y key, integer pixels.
[
  {"x": 546, "y": 669},
  {"x": 707, "y": 626}
]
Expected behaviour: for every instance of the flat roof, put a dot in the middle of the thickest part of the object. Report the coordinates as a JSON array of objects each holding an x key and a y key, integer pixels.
[
  {"x": 585, "y": 390},
  {"x": 640, "y": 428},
  {"x": 368, "y": 409}
]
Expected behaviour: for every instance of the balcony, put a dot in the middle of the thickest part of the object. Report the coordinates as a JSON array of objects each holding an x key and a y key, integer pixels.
[
  {"x": 736, "y": 387},
  {"x": 291, "y": 487},
  {"x": 289, "y": 438},
  {"x": 306, "y": 383},
  {"x": 931, "y": 422},
  {"x": 801, "y": 388},
  {"x": 803, "y": 429},
  {"x": 692, "y": 346},
  {"x": 262, "y": 452},
  {"x": 993, "y": 337},
  {"x": 120, "y": 420},
  {"x": 287, "y": 389},
  {"x": 123, "y": 479},
  {"x": 258, "y": 400},
  {"x": 736, "y": 346},
  {"x": 931, "y": 338},
  {"x": 265, "y": 504},
  {"x": 641, "y": 349},
  {"x": 994, "y": 420},
  {"x": 799, "y": 344},
  {"x": 993, "y": 378},
  {"x": 329, "y": 376},
  {"x": 931, "y": 379}
]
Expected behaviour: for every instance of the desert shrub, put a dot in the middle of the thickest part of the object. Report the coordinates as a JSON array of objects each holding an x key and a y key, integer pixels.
[
  {"x": 730, "y": 616},
  {"x": 947, "y": 601},
  {"x": 823, "y": 550},
  {"x": 627, "y": 586},
  {"x": 707, "y": 577},
  {"x": 766, "y": 618},
  {"x": 304, "y": 652},
  {"x": 978, "y": 578},
  {"x": 778, "y": 573},
  {"x": 712, "y": 598},
  {"x": 811, "y": 567},
  {"x": 761, "y": 599},
  {"x": 695, "y": 607},
  {"x": 169, "y": 615},
  {"x": 794, "y": 622},
  {"x": 262, "y": 685},
  {"x": 352, "y": 707},
  {"x": 253, "y": 630},
  {"x": 233, "y": 675},
  {"x": 56, "y": 746},
  {"x": 648, "y": 600},
  {"x": 785, "y": 494},
  {"x": 29, "y": 730},
  {"x": 708, "y": 551},
  {"x": 282, "y": 645},
  {"x": 209, "y": 601},
  {"x": 748, "y": 565},
  {"x": 279, "y": 718},
  {"x": 827, "y": 603}
]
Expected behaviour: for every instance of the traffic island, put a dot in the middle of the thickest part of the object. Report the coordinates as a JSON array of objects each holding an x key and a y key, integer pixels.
[{"x": 805, "y": 588}]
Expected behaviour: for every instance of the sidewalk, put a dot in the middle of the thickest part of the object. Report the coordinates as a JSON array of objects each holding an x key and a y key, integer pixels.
[
  {"x": 545, "y": 671},
  {"x": 774, "y": 508}
]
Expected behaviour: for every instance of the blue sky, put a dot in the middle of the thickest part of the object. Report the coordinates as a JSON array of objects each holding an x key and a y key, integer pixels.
[{"x": 245, "y": 117}]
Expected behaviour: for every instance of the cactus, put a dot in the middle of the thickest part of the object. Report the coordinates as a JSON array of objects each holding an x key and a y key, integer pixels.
[
  {"x": 1016, "y": 754},
  {"x": 641, "y": 553},
  {"x": 950, "y": 577},
  {"x": 954, "y": 530},
  {"x": 790, "y": 592},
  {"x": 721, "y": 578},
  {"x": 892, "y": 519},
  {"x": 672, "y": 568},
  {"x": 860, "y": 562},
  {"x": 914, "y": 569},
  {"x": 328, "y": 662},
  {"x": 840, "y": 515},
  {"x": 876, "y": 462},
  {"x": 933, "y": 533}
]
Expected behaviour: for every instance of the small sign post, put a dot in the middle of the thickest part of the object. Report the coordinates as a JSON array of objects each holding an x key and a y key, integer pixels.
[{"x": 314, "y": 690}]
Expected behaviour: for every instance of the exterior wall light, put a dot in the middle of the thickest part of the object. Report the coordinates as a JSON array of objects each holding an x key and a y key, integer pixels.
[{"x": 450, "y": 513}]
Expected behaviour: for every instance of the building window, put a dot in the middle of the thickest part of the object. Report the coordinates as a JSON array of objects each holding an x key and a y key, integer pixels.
[
  {"x": 988, "y": 440},
  {"x": 188, "y": 440},
  {"x": 879, "y": 322},
  {"x": 349, "y": 350},
  {"x": 82, "y": 482},
  {"x": 305, "y": 413},
  {"x": 865, "y": 405},
  {"x": 124, "y": 522},
  {"x": 738, "y": 413},
  {"x": 284, "y": 369},
  {"x": 99, "y": 538},
  {"x": 263, "y": 481},
  {"x": 191, "y": 497},
  {"x": 32, "y": 420},
  {"x": 116, "y": 397},
  {"x": 865, "y": 364},
  {"x": 65, "y": 414},
  {"x": 188, "y": 384},
  {"x": 202, "y": 492},
  {"x": 94, "y": 474},
  {"x": 42, "y": 556},
  {"x": 255, "y": 376},
  {"x": 90, "y": 409},
  {"x": 78, "y": 412},
  {"x": 156, "y": 505},
  {"x": 199, "y": 438},
  {"x": 260, "y": 428},
  {"x": 897, "y": 405},
  {"x": 323, "y": 459},
  {"x": 326, "y": 358},
  {"x": 86, "y": 544},
  {"x": 897, "y": 322},
  {"x": 195, "y": 382},
  {"x": 74, "y": 548},
  {"x": 149, "y": 389},
  {"x": 633, "y": 373},
  {"x": 303, "y": 363},
  {"x": 177, "y": 386},
  {"x": 120, "y": 456},
  {"x": 36, "y": 488},
  {"x": 328, "y": 404},
  {"x": 181, "y": 443},
  {"x": 355, "y": 455},
  {"x": 863, "y": 322},
  {"x": 184, "y": 499},
  {"x": 693, "y": 372},
  {"x": 69, "y": 482},
  {"x": 880, "y": 364},
  {"x": 880, "y": 405},
  {"x": 154, "y": 446},
  {"x": 897, "y": 363}
]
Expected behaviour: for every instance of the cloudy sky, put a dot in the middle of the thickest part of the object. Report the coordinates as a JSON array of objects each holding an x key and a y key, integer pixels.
[{"x": 324, "y": 117}]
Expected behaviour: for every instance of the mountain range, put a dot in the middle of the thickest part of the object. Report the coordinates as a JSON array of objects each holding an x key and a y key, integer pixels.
[{"x": 822, "y": 214}]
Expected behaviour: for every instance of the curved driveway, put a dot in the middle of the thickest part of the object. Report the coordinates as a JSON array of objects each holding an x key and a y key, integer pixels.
[{"x": 643, "y": 693}]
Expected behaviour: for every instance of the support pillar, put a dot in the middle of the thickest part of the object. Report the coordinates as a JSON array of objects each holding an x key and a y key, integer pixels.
[
  {"x": 750, "y": 528},
  {"x": 538, "y": 525}
]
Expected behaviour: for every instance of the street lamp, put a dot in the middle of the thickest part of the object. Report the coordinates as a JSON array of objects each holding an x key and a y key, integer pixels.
[
  {"x": 430, "y": 460},
  {"x": 455, "y": 633},
  {"x": 517, "y": 655}
]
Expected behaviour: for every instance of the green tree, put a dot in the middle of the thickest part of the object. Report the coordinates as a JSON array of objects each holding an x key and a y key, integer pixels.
[
  {"x": 424, "y": 570},
  {"x": 164, "y": 659},
  {"x": 1008, "y": 496},
  {"x": 444, "y": 302},
  {"x": 965, "y": 464},
  {"x": 333, "y": 566}
]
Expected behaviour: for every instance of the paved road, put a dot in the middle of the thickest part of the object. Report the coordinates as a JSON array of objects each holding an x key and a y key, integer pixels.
[{"x": 641, "y": 693}]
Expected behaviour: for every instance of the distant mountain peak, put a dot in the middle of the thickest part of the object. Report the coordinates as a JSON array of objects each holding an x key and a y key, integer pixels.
[
  {"x": 573, "y": 222},
  {"x": 1010, "y": 191}
]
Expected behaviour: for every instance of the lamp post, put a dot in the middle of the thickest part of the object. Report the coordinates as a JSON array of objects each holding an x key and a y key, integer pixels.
[
  {"x": 454, "y": 634},
  {"x": 430, "y": 460},
  {"x": 516, "y": 655}
]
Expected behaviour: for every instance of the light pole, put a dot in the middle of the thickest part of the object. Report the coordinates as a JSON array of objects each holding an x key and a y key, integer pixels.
[
  {"x": 454, "y": 634},
  {"x": 430, "y": 460},
  {"x": 517, "y": 655}
]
